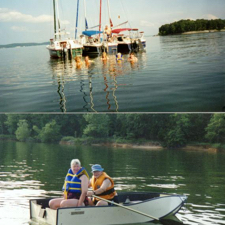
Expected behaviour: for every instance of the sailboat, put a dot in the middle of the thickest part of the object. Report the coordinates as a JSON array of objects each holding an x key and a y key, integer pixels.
[
  {"x": 95, "y": 44},
  {"x": 110, "y": 44},
  {"x": 62, "y": 46},
  {"x": 92, "y": 45},
  {"x": 132, "y": 42}
]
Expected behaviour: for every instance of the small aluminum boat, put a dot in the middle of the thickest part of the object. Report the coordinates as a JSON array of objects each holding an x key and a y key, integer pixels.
[{"x": 136, "y": 207}]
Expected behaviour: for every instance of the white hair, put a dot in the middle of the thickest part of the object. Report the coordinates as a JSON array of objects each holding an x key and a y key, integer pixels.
[{"x": 75, "y": 162}]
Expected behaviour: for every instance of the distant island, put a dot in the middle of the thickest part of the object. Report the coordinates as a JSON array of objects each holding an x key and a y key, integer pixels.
[
  {"x": 192, "y": 26},
  {"x": 22, "y": 45}
]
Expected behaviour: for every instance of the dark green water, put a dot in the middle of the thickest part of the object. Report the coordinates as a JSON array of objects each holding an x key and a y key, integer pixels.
[
  {"x": 180, "y": 73},
  {"x": 30, "y": 170}
]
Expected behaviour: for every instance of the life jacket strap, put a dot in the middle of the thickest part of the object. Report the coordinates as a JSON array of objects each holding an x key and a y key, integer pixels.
[{"x": 108, "y": 192}]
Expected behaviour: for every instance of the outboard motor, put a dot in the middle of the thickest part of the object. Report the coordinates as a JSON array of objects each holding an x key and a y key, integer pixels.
[
  {"x": 134, "y": 46},
  {"x": 140, "y": 45},
  {"x": 65, "y": 53},
  {"x": 103, "y": 48}
]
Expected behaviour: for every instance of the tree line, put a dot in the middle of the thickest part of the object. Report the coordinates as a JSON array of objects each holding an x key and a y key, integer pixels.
[
  {"x": 191, "y": 25},
  {"x": 170, "y": 130}
]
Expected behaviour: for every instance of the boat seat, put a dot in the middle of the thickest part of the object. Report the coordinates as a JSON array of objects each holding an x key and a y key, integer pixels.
[
  {"x": 132, "y": 202},
  {"x": 42, "y": 213}
]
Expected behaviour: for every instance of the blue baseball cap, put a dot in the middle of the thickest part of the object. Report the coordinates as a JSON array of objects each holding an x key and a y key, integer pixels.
[{"x": 96, "y": 167}]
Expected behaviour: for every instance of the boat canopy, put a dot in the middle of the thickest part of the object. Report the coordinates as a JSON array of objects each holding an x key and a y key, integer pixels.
[
  {"x": 117, "y": 31},
  {"x": 89, "y": 33}
]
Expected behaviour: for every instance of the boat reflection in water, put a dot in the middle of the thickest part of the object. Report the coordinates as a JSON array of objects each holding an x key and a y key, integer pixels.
[
  {"x": 60, "y": 69},
  {"x": 92, "y": 87}
]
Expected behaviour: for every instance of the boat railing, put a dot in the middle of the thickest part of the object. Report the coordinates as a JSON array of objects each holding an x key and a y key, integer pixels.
[
  {"x": 141, "y": 34},
  {"x": 51, "y": 41}
]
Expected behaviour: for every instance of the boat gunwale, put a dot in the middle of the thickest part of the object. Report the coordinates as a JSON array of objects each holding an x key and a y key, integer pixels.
[
  {"x": 182, "y": 197},
  {"x": 129, "y": 204},
  {"x": 126, "y": 204}
]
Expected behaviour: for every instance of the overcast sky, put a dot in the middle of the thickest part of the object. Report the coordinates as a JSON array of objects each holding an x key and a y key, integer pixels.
[{"x": 32, "y": 20}]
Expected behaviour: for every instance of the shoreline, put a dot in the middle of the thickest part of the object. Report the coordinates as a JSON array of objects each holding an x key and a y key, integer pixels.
[
  {"x": 203, "y": 31},
  {"x": 147, "y": 145},
  {"x": 207, "y": 148},
  {"x": 193, "y": 32},
  {"x": 150, "y": 146}
]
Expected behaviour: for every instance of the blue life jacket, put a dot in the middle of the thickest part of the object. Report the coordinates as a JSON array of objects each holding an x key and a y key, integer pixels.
[
  {"x": 119, "y": 58},
  {"x": 72, "y": 182}
]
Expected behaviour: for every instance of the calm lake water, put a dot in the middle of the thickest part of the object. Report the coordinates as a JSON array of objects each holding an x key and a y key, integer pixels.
[
  {"x": 29, "y": 170},
  {"x": 182, "y": 73}
]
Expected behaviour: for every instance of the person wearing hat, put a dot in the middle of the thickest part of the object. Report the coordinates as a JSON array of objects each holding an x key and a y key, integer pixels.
[
  {"x": 75, "y": 188},
  {"x": 103, "y": 186}
]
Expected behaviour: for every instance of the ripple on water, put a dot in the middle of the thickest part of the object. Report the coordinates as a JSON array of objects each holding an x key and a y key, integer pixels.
[{"x": 202, "y": 214}]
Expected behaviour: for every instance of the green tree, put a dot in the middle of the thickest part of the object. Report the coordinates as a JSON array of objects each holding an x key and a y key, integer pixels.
[
  {"x": 69, "y": 124},
  {"x": 198, "y": 123},
  {"x": 216, "y": 129},
  {"x": 23, "y": 131},
  {"x": 220, "y": 24},
  {"x": 97, "y": 125},
  {"x": 12, "y": 121},
  {"x": 177, "y": 132},
  {"x": 49, "y": 133},
  {"x": 2, "y": 124},
  {"x": 191, "y": 25}
]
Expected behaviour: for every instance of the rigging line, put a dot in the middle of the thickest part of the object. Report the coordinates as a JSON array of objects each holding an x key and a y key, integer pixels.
[
  {"x": 57, "y": 13},
  {"x": 50, "y": 23},
  {"x": 62, "y": 11},
  {"x": 109, "y": 12},
  {"x": 85, "y": 15},
  {"x": 125, "y": 13},
  {"x": 104, "y": 15},
  {"x": 96, "y": 21},
  {"x": 57, "y": 5},
  {"x": 93, "y": 27}
]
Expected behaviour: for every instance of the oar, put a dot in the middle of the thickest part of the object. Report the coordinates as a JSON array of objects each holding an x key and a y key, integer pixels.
[{"x": 125, "y": 207}]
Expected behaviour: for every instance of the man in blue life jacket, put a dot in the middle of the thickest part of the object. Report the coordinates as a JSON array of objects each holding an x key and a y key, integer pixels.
[
  {"x": 119, "y": 57},
  {"x": 75, "y": 188}
]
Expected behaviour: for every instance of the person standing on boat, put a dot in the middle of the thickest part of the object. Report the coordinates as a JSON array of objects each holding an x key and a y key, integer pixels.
[
  {"x": 75, "y": 188},
  {"x": 108, "y": 31},
  {"x": 103, "y": 186}
]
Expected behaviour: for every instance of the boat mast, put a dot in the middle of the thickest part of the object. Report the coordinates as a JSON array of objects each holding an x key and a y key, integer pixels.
[
  {"x": 77, "y": 19},
  {"x": 110, "y": 21},
  {"x": 58, "y": 19},
  {"x": 54, "y": 19},
  {"x": 100, "y": 16},
  {"x": 85, "y": 16}
]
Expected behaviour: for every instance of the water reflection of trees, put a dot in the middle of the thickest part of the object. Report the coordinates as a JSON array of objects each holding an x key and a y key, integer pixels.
[{"x": 110, "y": 74}]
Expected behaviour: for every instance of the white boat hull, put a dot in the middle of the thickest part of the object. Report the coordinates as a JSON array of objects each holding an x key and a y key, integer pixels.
[
  {"x": 59, "y": 49},
  {"x": 111, "y": 48},
  {"x": 94, "y": 49},
  {"x": 158, "y": 207}
]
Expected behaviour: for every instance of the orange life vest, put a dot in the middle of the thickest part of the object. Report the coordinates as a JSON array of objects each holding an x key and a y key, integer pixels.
[{"x": 109, "y": 193}]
